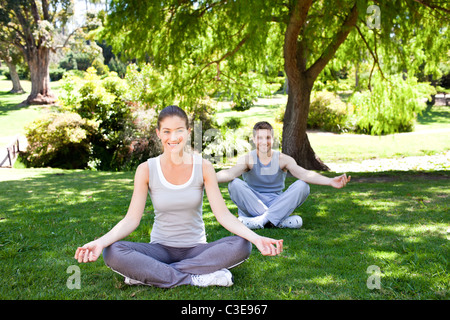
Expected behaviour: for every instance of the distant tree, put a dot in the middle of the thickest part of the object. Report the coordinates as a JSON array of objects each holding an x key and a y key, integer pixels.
[
  {"x": 32, "y": 25},
  {"x": 211, "y": 46},
  {"x": 12, "y": 57}
]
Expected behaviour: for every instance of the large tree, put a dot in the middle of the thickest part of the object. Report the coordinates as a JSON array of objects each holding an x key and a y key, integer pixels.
[
  {"x": 211, "y": 46},
  {"x": 32, "y": 25}
]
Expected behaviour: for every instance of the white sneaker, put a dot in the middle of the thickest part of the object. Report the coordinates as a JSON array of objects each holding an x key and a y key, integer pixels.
[
  {"x": 251, "y": 223},
  {"x": 294, "y": 222},
  {"x": 223, "y": 278},
  {"x": 132, "y": 282}
]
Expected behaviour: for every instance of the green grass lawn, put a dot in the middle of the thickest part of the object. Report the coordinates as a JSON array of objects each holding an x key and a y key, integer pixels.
[{"x": 396, "y": 221}]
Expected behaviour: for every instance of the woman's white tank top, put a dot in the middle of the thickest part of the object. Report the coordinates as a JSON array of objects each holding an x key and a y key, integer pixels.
[{"x": 178, "y": 208}]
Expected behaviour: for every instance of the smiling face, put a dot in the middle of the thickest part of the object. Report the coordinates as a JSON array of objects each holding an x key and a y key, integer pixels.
[
  {"x": 173, "y": 134},
  {"x": 263, "y": 139}
]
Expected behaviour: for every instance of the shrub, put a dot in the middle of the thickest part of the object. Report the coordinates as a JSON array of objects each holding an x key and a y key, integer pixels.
[
  {"x": 139, "y": 142},
  {"x": 146, "y": 86},
  {"x": 68, "y": 96},
  {"x": 103, "y": 101},
  {"x": 391, "y": 106},
  {"x": 326, "y": 112},
  {"x": 241, "y": 103},
  {"x": 101, "y": 68},
  {"x": 59, "y": 140},
  {"x": 125, "y": 112},
  {"x": 56, "y": 74},
  {"x": 118, "y": 66}
]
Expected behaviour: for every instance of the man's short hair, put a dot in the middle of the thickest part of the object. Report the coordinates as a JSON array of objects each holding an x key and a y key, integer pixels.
[{"x": 262, "y": 125}]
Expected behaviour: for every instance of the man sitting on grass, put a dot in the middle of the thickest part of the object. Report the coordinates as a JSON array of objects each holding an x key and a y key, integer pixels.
[{"x": 259, "y": 196}]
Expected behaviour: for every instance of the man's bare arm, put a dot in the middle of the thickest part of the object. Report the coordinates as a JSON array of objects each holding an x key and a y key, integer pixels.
[
  {"x": 287, "y": 162},
  {"x": 239, "y": 168}
]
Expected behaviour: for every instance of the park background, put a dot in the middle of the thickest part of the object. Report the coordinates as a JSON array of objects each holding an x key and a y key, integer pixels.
[{"x": 393, "y": 215}]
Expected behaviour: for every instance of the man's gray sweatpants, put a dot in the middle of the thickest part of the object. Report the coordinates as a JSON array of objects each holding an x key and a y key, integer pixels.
[
  {"x": 279, "y": 206},
  {"x": 165, "y": 267}
]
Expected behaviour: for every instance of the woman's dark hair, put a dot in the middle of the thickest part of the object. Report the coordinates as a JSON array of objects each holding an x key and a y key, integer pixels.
[{"x": 172, "y": 111}]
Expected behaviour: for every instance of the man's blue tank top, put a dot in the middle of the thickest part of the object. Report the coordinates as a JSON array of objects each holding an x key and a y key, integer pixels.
[{"x": 265, "y": 178}]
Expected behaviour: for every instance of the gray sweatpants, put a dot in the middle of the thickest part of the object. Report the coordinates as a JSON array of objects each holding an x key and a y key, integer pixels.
[
  {"x": 279, "y": 206},
  {"x": 166, "y": 267}
]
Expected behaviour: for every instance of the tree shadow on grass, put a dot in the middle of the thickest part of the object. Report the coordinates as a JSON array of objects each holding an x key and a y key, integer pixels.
[
  {"x": 9, "y": 102},
  {"x": 434, "y": 114}
]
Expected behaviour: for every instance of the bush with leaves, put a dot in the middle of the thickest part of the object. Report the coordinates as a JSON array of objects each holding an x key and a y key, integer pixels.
[
  {"x": 326, "y": 112},
  {"x": 126, "y": 112},
  {"x": 147, "y": 86},
  {"x": 103, "y": 101},
  {"x": 391, "y": 106},
  {"x": 60, "y": 140},
  {"x": 140, "y": 141},
  {"x": 68, "y": 96}
]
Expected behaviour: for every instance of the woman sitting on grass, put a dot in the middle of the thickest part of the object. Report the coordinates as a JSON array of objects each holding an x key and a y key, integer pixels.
[{"x": 178, "y": 253}]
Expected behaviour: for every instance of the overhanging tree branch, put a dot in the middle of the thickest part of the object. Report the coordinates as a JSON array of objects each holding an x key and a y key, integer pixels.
[
  {"x": 330, "y": 50},
  {"x": 297, "y": 19},
  {"x": 225, "y": 56},
  {"x": 374, "y": 56},
  {"x": 431, "y": 5}
]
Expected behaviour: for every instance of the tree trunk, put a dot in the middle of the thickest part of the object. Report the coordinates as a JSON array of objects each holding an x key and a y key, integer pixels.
[
  {"x": 40, "y": 77},
  {"x": 295, "y": 139},
  {"x": 301, "y": 80},
  {"x": 17, "y": 88}
]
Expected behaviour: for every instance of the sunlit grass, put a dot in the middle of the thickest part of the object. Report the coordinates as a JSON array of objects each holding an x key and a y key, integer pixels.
[{"x": 400, "y": 225}]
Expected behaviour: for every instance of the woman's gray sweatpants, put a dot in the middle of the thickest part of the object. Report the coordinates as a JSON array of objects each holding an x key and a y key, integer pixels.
[
  {"x": 278, "y": 206},
  {"x": 166, "y": 267}
]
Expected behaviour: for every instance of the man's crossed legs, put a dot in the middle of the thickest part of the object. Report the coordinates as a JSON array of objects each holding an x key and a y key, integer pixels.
[{"x": 255, "y": 209}]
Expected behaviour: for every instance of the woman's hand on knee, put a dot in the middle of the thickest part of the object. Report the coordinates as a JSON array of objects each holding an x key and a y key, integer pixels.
[
  {"x": 268, "y": 246},
  {"x": 89, "y": 252}
]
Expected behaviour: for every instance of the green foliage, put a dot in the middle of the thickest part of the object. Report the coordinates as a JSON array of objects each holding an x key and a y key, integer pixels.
[
  {"x": 68, "y": 96},
  {"x": 118, "y": 66},
  {"x": 126, "y": 112},
  {"x": 327, "y": 112},
  {"x": 240, "y": 103},
  {"x": 147, "y": 86},
  {"x": 101, "y": 68},
  {"x": 391, "y": 106},
  {"x": 56, "y": 74},
  {"x": 59, "y": 140},
  {"x": 232, "y": 123},
  {"x": 23, "y": 72},
  {"x": 139, "y": 140},
  {"x": 103, "y": 101},
  {"x": 200, "y": 51},
  {"x": 78, "y": 60},
  {"x": 232, "y": 47}
]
